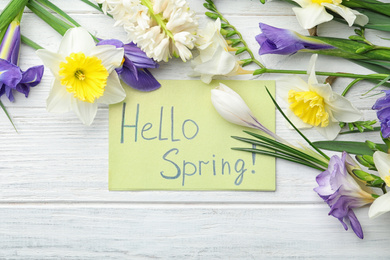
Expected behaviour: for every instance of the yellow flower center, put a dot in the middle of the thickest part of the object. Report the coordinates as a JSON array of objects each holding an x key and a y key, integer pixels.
[
  {"x": 84, "y": 76},
  {"x": 387, "y": 180},
  {"x": 309, "y": 106},
  {"x": 322, "y": 1}
]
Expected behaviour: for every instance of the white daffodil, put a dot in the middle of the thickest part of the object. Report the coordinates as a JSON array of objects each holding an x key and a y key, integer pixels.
[
  {"x": 84, "y": 75},
  {"x": 315, "y": 105},
  {"x": 382, "y": 204},
  {"x": 313, "y": 13},
  {"x": 214, "y": 56}
]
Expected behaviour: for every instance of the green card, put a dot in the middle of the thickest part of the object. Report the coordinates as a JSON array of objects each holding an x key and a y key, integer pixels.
[{"x": 173, "y": 139}]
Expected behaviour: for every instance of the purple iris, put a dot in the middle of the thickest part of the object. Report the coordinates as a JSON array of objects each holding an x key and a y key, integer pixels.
[
  {"x": 274, "y": 40},
  {"x": 341, "y": 192},
  {"x": 11, "y": 76},
  {"x": 383, "y": 106},
  {"x": 134, "y": 71}
]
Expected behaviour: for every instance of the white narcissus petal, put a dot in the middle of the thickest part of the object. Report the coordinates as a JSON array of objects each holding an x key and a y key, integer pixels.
[
  {"x": 221, "y": 64},
  {"x": 59, "y": 100},
  {"x": 285, "y": 84},
  {"x": 379, "y": 206},
  {"x": 361, "y": 19},
  {"x": 312, "y": 70},
  {"x": 303, "y": 3},
  {"x": 110, "y": 56},
  {"x": 76, "y": 40},
  {"x": 382, "y": 163},
  {"x": 331, "y": 131},
  {"x": 84, "y": 110},
  {"x": 51, "y": 60},
  {"x": 342, "y": 109},
  {"x": 312, "y": 15},
  {"x": 343, "y": 11},
  {"x": 114, "y": 92}
]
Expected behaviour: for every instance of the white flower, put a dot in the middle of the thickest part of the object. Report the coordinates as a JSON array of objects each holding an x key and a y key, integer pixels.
[
  {"x": 382, "y": 204},
  {"x": 84, "y": 75},
  {"x": 214, "y": 56},
  {"x": 161, "y": 28},
  {"x": 313, "y": 13},
  {"x": 316, "y": 105}
]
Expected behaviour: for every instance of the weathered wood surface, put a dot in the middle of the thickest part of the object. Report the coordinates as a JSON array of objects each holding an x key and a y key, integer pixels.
[{"x": 54, "y": 202}]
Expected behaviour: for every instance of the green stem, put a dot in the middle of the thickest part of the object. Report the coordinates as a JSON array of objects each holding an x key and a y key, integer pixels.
[
  {"x": 258, "y": 63},
  {"x": 350, "y": 85},
  {"x": 320, "y": 73},
  {"x": 94, "y": 6}
]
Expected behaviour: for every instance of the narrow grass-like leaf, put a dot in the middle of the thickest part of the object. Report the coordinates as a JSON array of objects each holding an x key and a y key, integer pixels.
[
  {"x": 97, "y": 7},
  {"x": 287, "y": 148},
  {"x": 9, "y": 117},
  {"x": 56, "y": 9},
  {"x": 30, "y": 43},
  {"x": 359, "y": 148},
  {"x": 57, "y": 24},
  {"x": 276, "y": 155}
]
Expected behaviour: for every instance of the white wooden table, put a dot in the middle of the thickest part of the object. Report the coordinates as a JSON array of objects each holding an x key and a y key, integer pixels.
[{"x": 54, "y": 201}]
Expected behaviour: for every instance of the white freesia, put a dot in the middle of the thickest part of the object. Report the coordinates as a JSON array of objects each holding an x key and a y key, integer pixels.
[
  {"x": 161, "y": 28},
  {"x": 84, "y": 75},
  {"x": 214, "y": 56},
  {"x": 315, "y": 105},
  {"x": 382, "y": 204},
  {"x": 313, "y": 13}
]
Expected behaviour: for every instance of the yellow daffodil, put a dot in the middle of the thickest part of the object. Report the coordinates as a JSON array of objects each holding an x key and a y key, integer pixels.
[{"x": 84, "y": 75}]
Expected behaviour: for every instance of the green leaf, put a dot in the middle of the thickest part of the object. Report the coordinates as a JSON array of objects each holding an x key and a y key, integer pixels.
[
  {"x": 347, "y": 146},
  {"x": 11, "y": 11},
  {"x": 9, "y": 117}
]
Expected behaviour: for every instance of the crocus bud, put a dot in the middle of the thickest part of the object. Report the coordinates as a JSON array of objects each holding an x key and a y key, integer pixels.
[{"x": 232, "y": 107}]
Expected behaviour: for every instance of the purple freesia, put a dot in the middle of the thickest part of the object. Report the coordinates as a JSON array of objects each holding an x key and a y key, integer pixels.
[
  {"x": 274, "y": 40},
  {"x": 11, "y": 76},
  {"x": 383, "y": 106},
  {"x": 134, "y": 71},
  {"x": 341, "y": 192}
]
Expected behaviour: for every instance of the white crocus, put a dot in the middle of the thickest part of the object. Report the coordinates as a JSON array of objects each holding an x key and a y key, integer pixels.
[
  {"x": 214, "y": 57},
  {"x": 382, "y": 204},
  {"x": 313, "y": 13},
  {"x": 233, "y": 109},
  {"x": 312, "y": 104},
  {"x": 84, "y": 75}
]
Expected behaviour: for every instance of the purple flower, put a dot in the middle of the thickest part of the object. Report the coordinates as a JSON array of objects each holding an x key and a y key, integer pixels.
[
  {"x": 274, "y": 40},
  {"x": 11, "y": 76},
  {"x": 341, "y": 192},
  {"x": 383, "y": 106},
  {"x": 134, "y": 71}
]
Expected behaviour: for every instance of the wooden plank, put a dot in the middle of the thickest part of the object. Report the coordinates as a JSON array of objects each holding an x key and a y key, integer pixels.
[{"x": 184, "y": 232}]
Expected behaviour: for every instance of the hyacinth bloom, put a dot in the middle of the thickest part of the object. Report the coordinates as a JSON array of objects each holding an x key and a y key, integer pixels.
[
  {"x": 134, "y": 71},
  {"x": 84, "y": 75},
  {"x": 274, "y": 40},
  {"x": 342, "y": 193},
  {"x": 312, "y": 104},
  {"x": 383, "y": 113},
  {"x": 313, "y": 12},
  {"x": 382, "y": 204},
  {"x": 161, "y": 28},
  {"x": 11, "y": 76},
  {"x": 214, "y": 57}
]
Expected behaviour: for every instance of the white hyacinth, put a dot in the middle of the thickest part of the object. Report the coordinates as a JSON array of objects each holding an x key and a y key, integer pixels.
[{"x": 161, "y": 28}]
